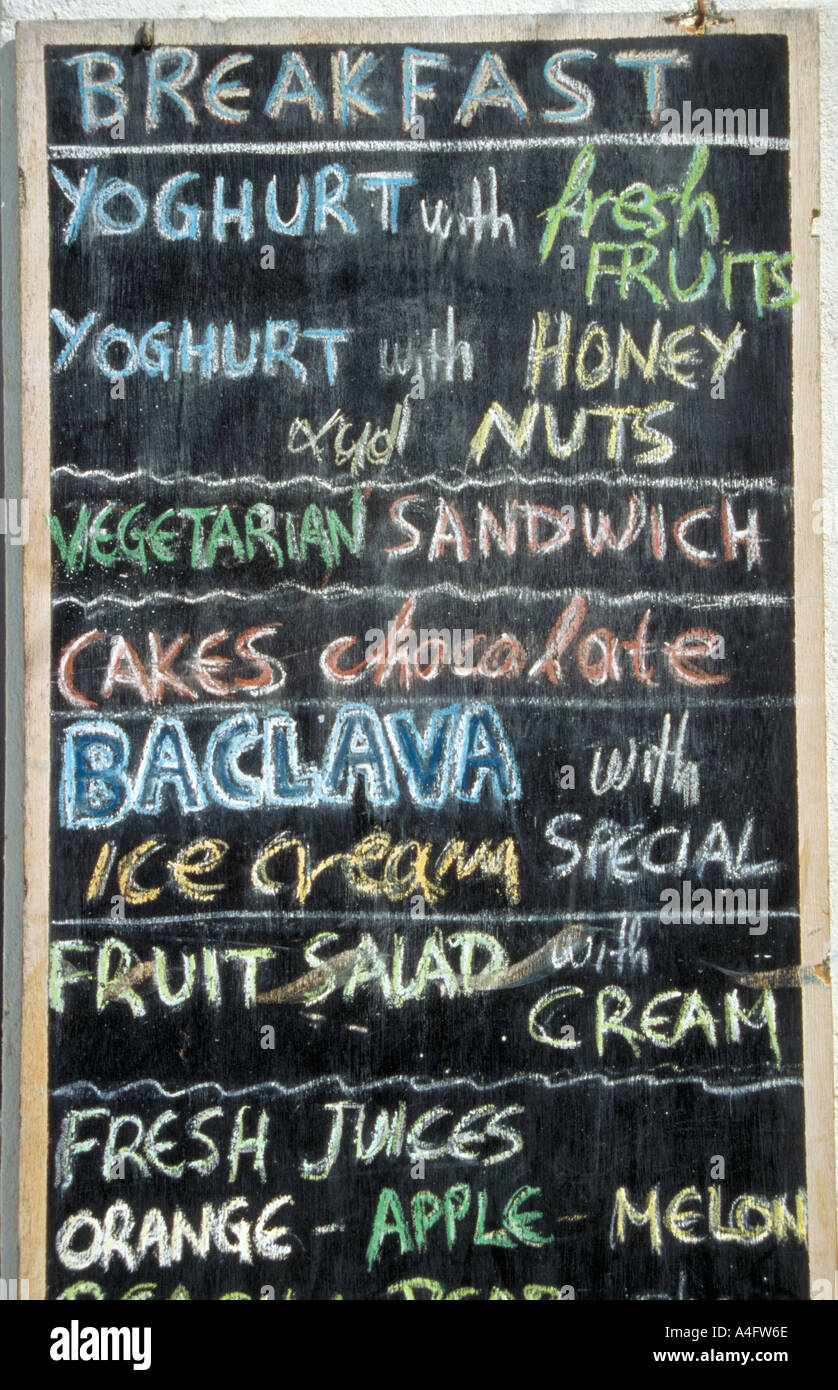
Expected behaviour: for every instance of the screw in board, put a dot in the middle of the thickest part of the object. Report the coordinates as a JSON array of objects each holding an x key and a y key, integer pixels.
[
  {"x": 696, "y": 21},
  {"x": 145, "y": 38}
]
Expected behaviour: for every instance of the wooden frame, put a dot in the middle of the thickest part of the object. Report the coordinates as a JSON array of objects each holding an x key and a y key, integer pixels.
[{"x": 801, "y": 29}]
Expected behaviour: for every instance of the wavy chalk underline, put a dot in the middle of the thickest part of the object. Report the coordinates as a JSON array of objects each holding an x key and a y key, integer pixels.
[
  {"x": 217, "y": 480},
  {"x": 738, "y": 599},
  {"x": 351, "y": 918},
  {"x": 654, "y": 704},
  {"x": 482, "y": 144},
  {"x": 334, "y": 1082}
]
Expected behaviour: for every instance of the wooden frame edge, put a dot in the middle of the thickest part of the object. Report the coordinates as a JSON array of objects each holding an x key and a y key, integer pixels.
[
  {"x": 35, "y": 443},
  {"x": 810, "y": 666},
  {"x": 801, "y": 29},
  {"x": 376, "y": 29}
]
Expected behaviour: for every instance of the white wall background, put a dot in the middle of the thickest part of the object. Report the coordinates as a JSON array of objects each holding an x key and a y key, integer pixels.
[{"x": 13, "y": 10}]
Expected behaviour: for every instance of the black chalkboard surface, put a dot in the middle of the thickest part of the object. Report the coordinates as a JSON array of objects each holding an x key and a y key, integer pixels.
[{"x": 425, "y": 669}]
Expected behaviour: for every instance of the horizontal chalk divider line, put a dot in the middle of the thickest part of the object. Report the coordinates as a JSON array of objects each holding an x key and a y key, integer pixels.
[
  {"x": 454, "y": 484},
  {"x": 351, "y": 919},
  {"x": 737, "y": 599},
  {"x": 480, "y": 144},
  {"x": 659, "y": 701},
  {"x": 419, "y": 1085}
]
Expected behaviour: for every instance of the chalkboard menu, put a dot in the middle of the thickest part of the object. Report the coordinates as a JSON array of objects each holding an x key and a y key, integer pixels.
[{"x": 425, "y": 823}]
